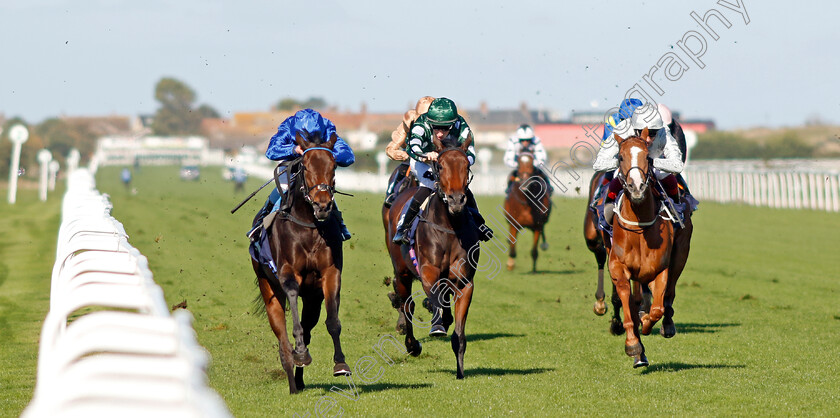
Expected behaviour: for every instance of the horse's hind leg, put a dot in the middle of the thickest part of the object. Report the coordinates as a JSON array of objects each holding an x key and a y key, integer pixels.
[
  {"x": 679, "y": 256},
  {"x": 332, "y": 287},
  {"x": 616, "y": 324},
  {"x": 511, "y": 263},
  {"x": 277, "y": 319},
  {"x": 656, "y": 309},
  {"x": 459, "y": 339},
  {"x": 534, "y": 251},
  {"x": 600, "y": 307}
]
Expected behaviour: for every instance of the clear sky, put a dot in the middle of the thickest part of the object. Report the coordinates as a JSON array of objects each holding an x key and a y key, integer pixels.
[{"x": 102, "y": 57}]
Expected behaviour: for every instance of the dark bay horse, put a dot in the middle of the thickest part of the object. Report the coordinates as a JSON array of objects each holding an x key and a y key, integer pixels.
[
  {"x": 644, "y": 248},
  {"x": 308, "y": 261},
  {"x": 446, "y": 241},
  {"x": 408, "y": 181},
  {"x": 528, "y": 205}
]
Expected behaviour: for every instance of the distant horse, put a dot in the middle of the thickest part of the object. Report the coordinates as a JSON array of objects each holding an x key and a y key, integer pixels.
[
  {"x": 527, "y": 205},
  {"x": 308, "y": 261},
  {"x": 644, "y": 248},
  {"x": 446, "y": 240}
]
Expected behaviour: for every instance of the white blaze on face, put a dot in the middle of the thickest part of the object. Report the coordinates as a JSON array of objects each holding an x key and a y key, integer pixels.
[
  {"x": 636, "y": 175},
  {"x": 526, "y": 158}
]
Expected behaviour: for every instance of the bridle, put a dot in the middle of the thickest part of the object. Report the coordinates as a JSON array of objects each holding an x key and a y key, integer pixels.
[
  {"x": 647, "y": 175},
  {"x": 435, "y": 166},
  {"x": 320, "y": 187}
]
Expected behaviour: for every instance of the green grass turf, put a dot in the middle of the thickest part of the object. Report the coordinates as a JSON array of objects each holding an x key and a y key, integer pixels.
[
  {"x": 756, "y": 312},
  {"x": 27, "y": 254}
]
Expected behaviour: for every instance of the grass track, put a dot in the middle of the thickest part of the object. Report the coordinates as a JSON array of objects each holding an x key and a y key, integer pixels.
[{"x": 756, "y": 312}]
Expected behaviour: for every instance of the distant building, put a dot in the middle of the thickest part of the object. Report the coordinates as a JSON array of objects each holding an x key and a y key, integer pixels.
[{"x": 155, "y": 150}]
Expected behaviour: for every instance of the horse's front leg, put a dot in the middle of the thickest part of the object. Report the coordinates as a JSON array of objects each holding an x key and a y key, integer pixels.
[
  {"x": 405, "y": 305},
  {"x": 289, "y": 282},
  {"x": 511, "y": 263},
  {"x": 656, "y": 309},
  {"x": 459, "y": 338},
  {"x": 534, "y": 250},
  {"x": 275, "y": 309},
  {"x": 332, "y": 297},
  {"x": 632, "y": 344}
]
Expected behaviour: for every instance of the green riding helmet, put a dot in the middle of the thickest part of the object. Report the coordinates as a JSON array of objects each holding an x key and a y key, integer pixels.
[{"x": 442, "y": 112}]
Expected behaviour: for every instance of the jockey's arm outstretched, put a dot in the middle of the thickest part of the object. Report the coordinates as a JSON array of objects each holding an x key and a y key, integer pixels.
[{"x": 443, "y": 122}]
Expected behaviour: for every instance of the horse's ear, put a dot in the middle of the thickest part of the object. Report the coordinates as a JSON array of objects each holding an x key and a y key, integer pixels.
[
  {"x": 645, "y": 133},
  {"x": 617, "y": 138},
  {"x": 331, "y": 143},
  {"x": 301, "y": 141},
  {"x": 467, "y": 142},
  {"x": 437, "y": 143}
]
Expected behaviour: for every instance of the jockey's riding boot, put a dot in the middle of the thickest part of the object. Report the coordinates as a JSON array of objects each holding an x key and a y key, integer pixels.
[
  {"x": 609, "y": 208},
  {"x": 485, "y": 233},
  {"x": 345, "y": 234},
  {"x": 404, "y": 224},
  {"x": 389, "y": 199}
]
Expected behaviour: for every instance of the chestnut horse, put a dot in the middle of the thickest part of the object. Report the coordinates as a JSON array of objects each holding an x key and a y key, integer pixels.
[
  {"x": 527, "y": 205},
  {"x": 644, "y": 248},
  {"x": 308, "y": 260},
  {"x": 595, "y": 242},
  {"x": 446, "y": 240}
]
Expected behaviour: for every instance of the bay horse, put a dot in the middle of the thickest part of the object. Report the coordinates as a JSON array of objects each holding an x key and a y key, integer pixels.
[
  {"x": 446, "y": 242},
  {"x": 408, "y": 181},
  {"x": 644, "y": 248},
  {"x": 527, "y": 205},
  {"x": 308, "y": 262}
]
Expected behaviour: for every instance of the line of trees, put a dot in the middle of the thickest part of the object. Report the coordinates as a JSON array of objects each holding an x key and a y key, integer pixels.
[{"x": 726, "y": 145}]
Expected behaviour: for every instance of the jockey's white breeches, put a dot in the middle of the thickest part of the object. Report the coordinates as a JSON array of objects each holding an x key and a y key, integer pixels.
[{"x": 423, "y": 173}]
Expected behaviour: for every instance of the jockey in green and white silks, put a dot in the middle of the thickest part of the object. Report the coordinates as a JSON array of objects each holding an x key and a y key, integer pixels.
[{"x": 443, "y": 122}]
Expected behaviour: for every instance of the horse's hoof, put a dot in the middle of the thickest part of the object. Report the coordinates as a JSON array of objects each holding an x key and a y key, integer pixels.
[
  {"x": 401, "y": 328},
  {"x": 668, "y": 329},
  {"x": 600, "y": 308},
  {"x": 640, "y": 361},
  {"x": 437, "y": 331},
  {"x": 635, "y": 350},
  {"x": 341, "y": 369},
  {"x": 302, "y": 359},
  {"x": 544, "y": 246},
  {"x": 616, "y": 327},
  {"x": 511, "y": 263},
  {"x": 414, "y": 349}
]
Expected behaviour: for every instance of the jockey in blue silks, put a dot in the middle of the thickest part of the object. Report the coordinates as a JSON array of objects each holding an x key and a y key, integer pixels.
[
  {"x": 282, "y": 147},
  {"x": 625, "y": 111}
]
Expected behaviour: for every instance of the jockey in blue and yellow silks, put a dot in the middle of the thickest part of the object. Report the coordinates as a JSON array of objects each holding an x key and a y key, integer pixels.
[{"x": 282, "y": 147}]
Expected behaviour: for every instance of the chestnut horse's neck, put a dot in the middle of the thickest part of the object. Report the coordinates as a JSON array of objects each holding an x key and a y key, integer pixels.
[{"x": 641, "y": 214}]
